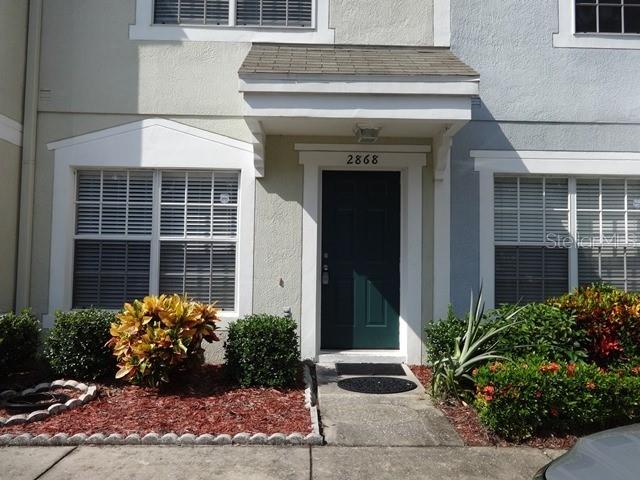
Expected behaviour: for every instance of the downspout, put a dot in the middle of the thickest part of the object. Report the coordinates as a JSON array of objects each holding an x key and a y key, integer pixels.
[{"x": 28, "y": 166}]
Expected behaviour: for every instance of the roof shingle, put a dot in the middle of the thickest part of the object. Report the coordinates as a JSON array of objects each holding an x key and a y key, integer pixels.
[{"x": 289, "y": 59}]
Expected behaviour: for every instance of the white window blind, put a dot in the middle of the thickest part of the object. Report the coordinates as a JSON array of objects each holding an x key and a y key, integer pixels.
[
  {"x": 541, "y": 235},
  {"x": 529, "y": 211},
  {"x": 608, "y": 221},
  {"x": 204, "y": 12},
  {"x": 198, "y": 235},
  {"x": 193, "y": 229},
  {"x": 264, "y": 13}
]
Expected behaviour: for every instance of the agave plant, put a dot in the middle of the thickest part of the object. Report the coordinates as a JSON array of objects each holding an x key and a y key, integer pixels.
[{"x": 451, "y": 373}]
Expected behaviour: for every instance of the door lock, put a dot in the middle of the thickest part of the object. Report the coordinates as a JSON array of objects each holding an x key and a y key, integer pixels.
[{"x": 325, "y": 274}]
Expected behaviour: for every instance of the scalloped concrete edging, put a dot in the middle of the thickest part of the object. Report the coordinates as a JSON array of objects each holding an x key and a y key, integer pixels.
[
  {"x": 86, "y": 394},
  {"x": 152, "y": 438}
]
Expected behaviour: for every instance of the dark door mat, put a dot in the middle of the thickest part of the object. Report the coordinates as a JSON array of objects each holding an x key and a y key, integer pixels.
[
  {"x": 377, "y": 385},
  {"x": 370, "y": 369}
]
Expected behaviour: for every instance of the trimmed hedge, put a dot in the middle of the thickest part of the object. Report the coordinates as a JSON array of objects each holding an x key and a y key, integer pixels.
[
  {"x": 542, "y": 330},
  {"x": 610, "y": 319},
  {"x": 262, "y": 350},
  {"x": 531, "y": 396},
  {"x": 76, "y": 347},
  {"x": 19, "y": 340}
]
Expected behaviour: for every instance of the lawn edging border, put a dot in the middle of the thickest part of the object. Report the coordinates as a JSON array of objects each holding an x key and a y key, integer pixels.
[
  {"x": 152, "y": 438},
  {"x": 86, "y": 393}
]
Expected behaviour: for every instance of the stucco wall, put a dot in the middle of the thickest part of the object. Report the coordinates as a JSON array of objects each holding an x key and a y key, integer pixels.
[
  {"x": 523, "y": 77},
  {"x": 9, "y": 194},
  {"x": 381, "y": 22},
  {"x": 89, "y": 64},
  {"x": 533, "y": 97},
  {"x": 13, "y": 31}
]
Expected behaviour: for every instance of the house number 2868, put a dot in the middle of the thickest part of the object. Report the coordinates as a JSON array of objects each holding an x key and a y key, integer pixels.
[{"x": 368, "y": 159}]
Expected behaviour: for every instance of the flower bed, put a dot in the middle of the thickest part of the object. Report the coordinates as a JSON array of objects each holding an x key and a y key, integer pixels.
[
  {"x": 466, "y": 422},
  {"x": 203, "y": 403}
]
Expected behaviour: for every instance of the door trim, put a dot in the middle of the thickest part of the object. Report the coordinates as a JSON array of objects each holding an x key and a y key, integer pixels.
[{"x": 410, "y": 164}]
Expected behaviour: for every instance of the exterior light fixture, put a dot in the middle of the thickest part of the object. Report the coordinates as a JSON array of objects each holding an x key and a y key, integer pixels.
[{"x": 366, "y": 133}]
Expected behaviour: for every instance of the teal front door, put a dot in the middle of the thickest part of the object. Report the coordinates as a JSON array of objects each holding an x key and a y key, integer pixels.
[{"x": 360, "y": 260}]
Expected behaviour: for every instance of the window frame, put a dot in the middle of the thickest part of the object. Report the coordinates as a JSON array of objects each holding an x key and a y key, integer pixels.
[
  {"x": 156, "y": 237},
  {"x": 567, "y": 37},
  {"x": 157, "y": 144},
  {"x": 597, "y": 5},
  {"x": 489, "y": 163},
  {"x": 318, "y": 33}
]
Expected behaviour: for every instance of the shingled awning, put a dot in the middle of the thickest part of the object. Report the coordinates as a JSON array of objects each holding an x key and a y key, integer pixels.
[
  {"x": 278, "y": 59},
  {"x": 295, "y": 89}
]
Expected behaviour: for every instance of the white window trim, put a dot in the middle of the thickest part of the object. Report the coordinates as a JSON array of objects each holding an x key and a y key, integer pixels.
[
  {"x": 145, "y": 29},
  {"x": 156, "y": 144},
  {"x": 333, "y": 157},
  {"x": 488, "y": 163},
  {"x": 10, "y": 130},
  {"x": 568, "y": 38},
  {"x": 441, "y": 23}
]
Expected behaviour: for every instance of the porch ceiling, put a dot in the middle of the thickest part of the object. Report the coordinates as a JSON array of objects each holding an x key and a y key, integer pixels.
[{"x": 328, "y": 89}]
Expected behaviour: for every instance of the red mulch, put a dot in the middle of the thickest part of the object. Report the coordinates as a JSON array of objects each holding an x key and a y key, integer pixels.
[
  {"x": 204, "y": 403},
  {"x": 464, "y": 419}
]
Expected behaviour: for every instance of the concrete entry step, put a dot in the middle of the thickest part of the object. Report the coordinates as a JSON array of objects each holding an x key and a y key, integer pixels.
[{"x": 360, "y": 419}]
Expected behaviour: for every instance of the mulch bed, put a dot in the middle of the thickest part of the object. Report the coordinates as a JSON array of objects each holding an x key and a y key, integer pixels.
[
  {"x": 464, "y": 419},
  {"x": 203, "y": 403}
]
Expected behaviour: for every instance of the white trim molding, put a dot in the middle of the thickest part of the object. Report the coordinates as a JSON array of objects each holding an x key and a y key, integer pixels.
[
  {"x": 488, "y": 163},
  {"x": 145, "y": 29},
  {"x": 568, "y": 38},
  {"x": 442, "y": 23},
  {"x": 10, "y": 130},
  {"x": 154, "y": 144},
  {"x": 333, "y": 157}
]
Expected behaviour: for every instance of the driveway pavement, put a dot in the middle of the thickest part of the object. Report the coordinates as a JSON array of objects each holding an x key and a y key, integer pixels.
[{"x": 263, "y": 462}]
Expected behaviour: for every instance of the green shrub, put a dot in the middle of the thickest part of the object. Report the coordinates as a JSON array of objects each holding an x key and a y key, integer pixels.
[
  {"x": 610, "y": 319},
  {"x": 262, "y": 350},
  {"x": 75, "y": 346},
  {"x": 440, "y": 336},
  {"x": 542, "y": 330},
  {"x": 19, "y": 339},
  {"x": 533, "y": 396}
]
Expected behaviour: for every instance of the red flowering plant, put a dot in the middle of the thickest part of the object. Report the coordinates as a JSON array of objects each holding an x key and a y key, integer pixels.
[
  {"x": 610, "y": 319},
  {"x": 532, "y": 396}
]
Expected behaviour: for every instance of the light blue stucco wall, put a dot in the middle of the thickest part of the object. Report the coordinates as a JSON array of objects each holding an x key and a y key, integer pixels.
[{"x": 533, "y": 97}]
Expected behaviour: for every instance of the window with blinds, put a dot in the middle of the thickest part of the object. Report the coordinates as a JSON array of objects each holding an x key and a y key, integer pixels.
[
  {"x": 193, "y": 229},
  {"x": 263, "y": 13},
  {"x": 528, "y": 212},
  {"x": 608, "y": 222},
  {"x": 541, "y": 235}
]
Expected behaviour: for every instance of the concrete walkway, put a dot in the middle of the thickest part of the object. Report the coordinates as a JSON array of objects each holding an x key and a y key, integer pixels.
[
  {"x": 269, "y": 463},
  {"x": 403, "y": 419}
]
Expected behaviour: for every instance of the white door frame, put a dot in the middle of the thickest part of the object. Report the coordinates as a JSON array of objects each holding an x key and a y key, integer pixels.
[{"x": 409, "y": 160}]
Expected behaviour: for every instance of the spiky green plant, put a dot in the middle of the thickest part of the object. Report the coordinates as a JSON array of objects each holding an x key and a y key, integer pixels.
[{"x": 452, "y": 374}]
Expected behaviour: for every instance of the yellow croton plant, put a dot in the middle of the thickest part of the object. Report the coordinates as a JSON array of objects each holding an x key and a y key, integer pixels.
[{"x": 155, "y": 337}]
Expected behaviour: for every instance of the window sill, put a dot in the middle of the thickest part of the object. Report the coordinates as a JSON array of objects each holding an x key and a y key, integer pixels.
[
  {"x": 214, "y": 33},
  {"x": 627, "y": 41}
]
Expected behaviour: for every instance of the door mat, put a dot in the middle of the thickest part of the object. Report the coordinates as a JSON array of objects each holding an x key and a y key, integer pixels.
[
  {"x": 377, "y": 385},
  {"x": 394, "y": 369}
]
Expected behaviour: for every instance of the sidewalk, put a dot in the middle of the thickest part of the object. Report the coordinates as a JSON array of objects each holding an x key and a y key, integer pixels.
[{"x": 257, "y": 463}]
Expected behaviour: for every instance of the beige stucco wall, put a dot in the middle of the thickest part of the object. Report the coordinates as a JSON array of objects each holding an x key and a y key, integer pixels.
[
  {"x": 13, "y": 35},
  {"x": 90, "y": 65},
  {"x": 382, "y": 22},
  {"x": 9, "y": 195}
]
